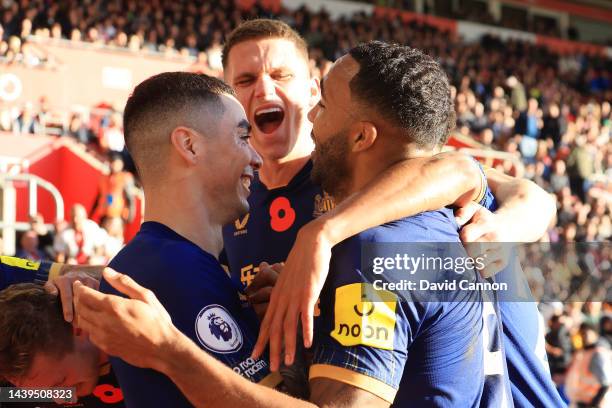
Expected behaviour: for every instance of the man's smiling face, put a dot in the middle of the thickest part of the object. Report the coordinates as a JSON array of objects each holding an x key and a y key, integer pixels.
[{"x": 273, "y": 84}]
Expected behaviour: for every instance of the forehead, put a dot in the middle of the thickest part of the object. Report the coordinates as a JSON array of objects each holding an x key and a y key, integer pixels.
[
  {"x": 232, "y": 109},
  {"x": 336, "y": 82},
  {"x": 266, "y": 53}
]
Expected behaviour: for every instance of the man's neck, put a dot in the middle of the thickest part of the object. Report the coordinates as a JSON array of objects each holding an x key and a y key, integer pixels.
[
  {"x": 371, "y": 166},
  {"x": 185, "y": 213},
  {"x": 278, "y": 173}
]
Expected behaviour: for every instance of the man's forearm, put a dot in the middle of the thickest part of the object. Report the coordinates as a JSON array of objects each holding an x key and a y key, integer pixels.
[
  {"x": 406, "y": 189},
  {"x": 523, "y": 200},
  {"x": 207, "y": 382}
]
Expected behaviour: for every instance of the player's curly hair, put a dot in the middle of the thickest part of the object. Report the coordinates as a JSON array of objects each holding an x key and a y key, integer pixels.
[
  {"x": 31, "y": 321},
  {"x": 406, "y": 87}
]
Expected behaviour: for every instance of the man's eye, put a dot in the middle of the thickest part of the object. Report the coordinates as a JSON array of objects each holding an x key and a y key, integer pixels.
[
  {"x": 320, "y": 104},
  {"x": 245, "y": 137},
  {"x": 244, "y": 82},
  {"x": 284, "y": 77}
]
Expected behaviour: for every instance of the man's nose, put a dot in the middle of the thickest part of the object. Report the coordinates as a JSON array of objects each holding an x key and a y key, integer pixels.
[
  {"x": 265, "y": 86},
  {"x": 312, "y": 113}
]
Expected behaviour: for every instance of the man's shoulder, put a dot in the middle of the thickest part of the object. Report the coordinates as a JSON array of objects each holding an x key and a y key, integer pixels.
[
  {"x": 155, "y": 261},
  {"x": 428, "y": 226}
]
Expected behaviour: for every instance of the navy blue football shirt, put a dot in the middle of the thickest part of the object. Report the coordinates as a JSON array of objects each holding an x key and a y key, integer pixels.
[
  {"x": 203, "y": 303},
  {"x": 523, "y": 338},
  {"x": 17, "y": 270},
  {"x": 268, "y": 231},
  {"x": 406, "y": 351}
]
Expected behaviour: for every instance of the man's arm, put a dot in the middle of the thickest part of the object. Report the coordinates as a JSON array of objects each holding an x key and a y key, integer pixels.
[
  {"x": 140, "y": 331},
  {"x": 520, "y": 199},
  {"x": 406, "y": 189}
]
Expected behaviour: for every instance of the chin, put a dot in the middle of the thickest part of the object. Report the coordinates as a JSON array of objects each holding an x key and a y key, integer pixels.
[
  {"x": 274, "y": 146},
  {"x": 241, "y": 208}
]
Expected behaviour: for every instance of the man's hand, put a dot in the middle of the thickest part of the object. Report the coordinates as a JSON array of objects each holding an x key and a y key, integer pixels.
[
  {"x": 482, "y": 236},
  {"x": 295, "y": 295},
  {"x": 62, "y": 286},
  {"x": 260, "y": 289},
  {"x": 136, "y": 329}
]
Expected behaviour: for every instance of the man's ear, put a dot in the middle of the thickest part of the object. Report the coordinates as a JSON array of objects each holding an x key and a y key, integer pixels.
[
  {"x": 363, "y": 136},
  {"x": 183, "y": 139},
  {"x": 315, "y": 92}
]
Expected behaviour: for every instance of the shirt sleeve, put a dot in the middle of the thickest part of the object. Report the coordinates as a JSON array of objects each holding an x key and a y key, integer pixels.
[
  {"x": 17, "y": 270},
  {"x": 360, "y": 342},
  {"x": 200, "y": 309},
  {"x": 486, "y": 197}
]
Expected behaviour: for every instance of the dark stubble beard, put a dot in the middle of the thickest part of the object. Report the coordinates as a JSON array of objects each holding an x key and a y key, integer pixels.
[{"x": 330, "y": 166}]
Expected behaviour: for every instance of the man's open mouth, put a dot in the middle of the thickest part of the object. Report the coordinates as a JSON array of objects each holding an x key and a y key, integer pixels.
[{"x": 268, "y": 119}]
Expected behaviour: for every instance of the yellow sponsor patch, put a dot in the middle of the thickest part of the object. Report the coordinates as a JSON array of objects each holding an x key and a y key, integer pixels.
[
  {"x": 359, "y": 321},
  {"x": 20, "y": 263}
]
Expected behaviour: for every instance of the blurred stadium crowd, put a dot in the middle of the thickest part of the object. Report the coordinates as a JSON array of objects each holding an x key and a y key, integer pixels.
[{"x": 552, "y": 112}]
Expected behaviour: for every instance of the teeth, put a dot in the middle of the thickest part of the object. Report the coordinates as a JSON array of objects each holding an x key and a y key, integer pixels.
[{"x": 269, "y": 110}]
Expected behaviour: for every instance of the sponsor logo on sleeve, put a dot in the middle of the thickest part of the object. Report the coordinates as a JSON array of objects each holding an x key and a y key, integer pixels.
[
  {"x": 364, "y": 322},
  {"x": 217, "y": 330},
  {"x": 19, "y": 263}
]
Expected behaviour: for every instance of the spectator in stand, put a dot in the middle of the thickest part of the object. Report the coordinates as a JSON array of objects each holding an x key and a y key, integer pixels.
[
  {"x": 29, "y": 247},
  {"x": 518, "y": 97},
  {"x": 559, "y": 179},
  {"x": 45, "y": 235},
  {"x": 605, "y": 325},
  {"x": 78, "y": 241},
  {"x": 590, "y": 374},
  {"x": 580, "y": 167},
  {"x": 27, "y": 121},
  {"x": 528, "y": 125},
  {"x": 111, "y": 136},
  {"x": 5, "y": 119},
  {"x": 116, "y": 197},
  {"x": 479, "y": 121},
  {"x": 558, "y": 348},
  {"x": 551, "y": 125},
  {"x": 78, "y": 130},
  {"x": 115, "y": 239}
]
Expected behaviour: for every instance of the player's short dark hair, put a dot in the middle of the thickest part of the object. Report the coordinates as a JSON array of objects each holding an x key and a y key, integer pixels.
[
  {"x": 163, "y": 99},
  {"x": 262, "y": 28},
  {"x": 170, "y": 93},
  {"x": 31, "y": 321},
  {"x": 406, "y": 87}
]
